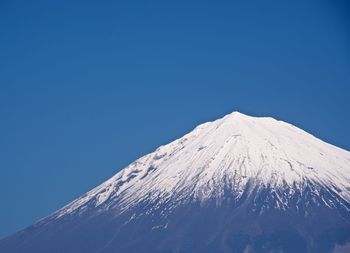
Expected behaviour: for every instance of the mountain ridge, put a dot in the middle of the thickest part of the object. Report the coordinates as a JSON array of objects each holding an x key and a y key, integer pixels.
[
  {"x": 212, "y": 156},
  {"x": 236, "y": 184}
]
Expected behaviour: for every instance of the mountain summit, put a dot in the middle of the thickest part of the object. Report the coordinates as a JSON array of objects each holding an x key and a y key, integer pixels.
[{"x": 237, "y": 184}]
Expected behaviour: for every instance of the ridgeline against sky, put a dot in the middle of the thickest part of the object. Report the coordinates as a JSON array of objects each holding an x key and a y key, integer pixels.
[{"x": 237, "y": 184}]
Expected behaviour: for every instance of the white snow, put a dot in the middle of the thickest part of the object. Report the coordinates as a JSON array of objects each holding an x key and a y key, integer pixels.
[{"x": 227, "y": 153}]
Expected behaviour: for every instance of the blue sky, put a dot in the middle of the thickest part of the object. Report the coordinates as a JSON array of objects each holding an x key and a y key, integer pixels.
[{"x": 86, "y": 87}]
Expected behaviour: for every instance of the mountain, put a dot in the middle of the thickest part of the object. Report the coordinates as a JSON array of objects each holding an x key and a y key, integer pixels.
[{"x": 237, "y": 184}]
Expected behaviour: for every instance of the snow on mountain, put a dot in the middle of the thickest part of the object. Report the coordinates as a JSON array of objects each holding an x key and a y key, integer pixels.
[
  {"x": 238, "y": 184},
  {"x": 238, "y": 154}
]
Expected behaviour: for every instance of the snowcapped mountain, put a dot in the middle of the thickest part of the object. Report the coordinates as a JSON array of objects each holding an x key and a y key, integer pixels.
[{"x": 237, "y": 184}]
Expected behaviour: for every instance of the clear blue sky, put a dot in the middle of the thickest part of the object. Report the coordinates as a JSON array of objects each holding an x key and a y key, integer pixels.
[{"x": 86, "y": 87}]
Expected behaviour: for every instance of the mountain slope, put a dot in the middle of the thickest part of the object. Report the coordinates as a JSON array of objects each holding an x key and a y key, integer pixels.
[{"x": 237, "y": 184}]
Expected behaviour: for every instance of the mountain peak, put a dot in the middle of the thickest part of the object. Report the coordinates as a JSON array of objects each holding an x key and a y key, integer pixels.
[
  {"x": 236, "y": 115},
  {"x": 235, "y": 153},
  {"x": 236, "y": 184}
]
